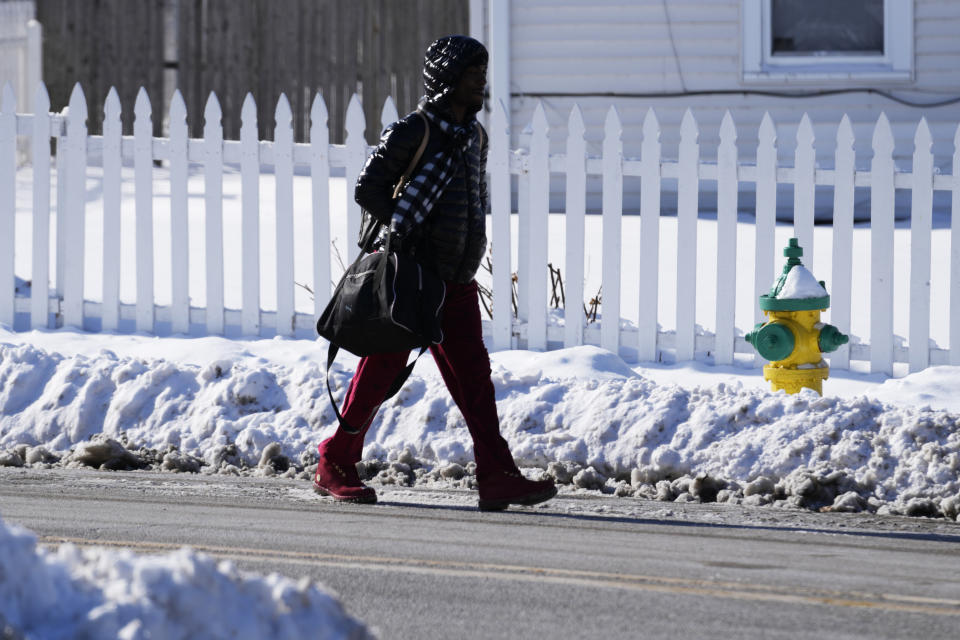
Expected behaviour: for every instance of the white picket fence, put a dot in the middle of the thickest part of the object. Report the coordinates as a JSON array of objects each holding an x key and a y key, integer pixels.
[{"x": 533, "y": 166}]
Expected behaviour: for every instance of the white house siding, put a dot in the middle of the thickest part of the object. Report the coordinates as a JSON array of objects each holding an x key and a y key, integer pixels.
[
  {"x": 14, "y": 53},
  {"x": 602, "y": 46}
]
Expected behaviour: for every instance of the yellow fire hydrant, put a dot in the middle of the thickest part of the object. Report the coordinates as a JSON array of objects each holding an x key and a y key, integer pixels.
[{"x": 793, "y": 338}]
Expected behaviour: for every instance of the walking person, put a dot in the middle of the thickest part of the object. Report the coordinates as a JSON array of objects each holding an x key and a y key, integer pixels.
[{"x": 439, "y": 218}]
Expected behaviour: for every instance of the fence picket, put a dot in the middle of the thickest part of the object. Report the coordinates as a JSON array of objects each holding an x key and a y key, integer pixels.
[
  {"x": 803, "y": 189},
  {"x": 143, "y": 185},
  {"x": 498, "y": 165},
  {"x": 388, "y": 114},
  {"x": 112, "y": 163},
  {"x": 179, "y": 241},
  {"x": 765, "y": 250},
  {"x": 40, "y": 290},
  {"x": 250, "y": 221},
  {"x": 841, "y": 285},
  {"x": 356, "y": 156},
  {"x": 955, "y": 255},
  {"x": 575, "y": 219},
  {"x": 649, "y": 239},
  {"x": 8, "y": 203},
  {"x": 523, "y": 225},
  {"x": 320, "y": 185},
  {"x": 881, "y": 248},
  {"x": 612, "y": 205},
  {"x": 539, "y": 232},
  {"x": 726, "y": 240},
  {"x": 61, "y": 234},
  {"x": 688, "y": 188},
  {"x": 74, "y": 209},
  {"x": 283, "y": 161},
  {"x": 921, "y": 225},
  {"x": 213, "y": 212}
]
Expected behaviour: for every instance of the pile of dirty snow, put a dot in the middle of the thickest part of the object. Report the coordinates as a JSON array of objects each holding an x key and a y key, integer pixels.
[
  {"x": 100, "y": 593},
  {"x": 580, "y": 415}
]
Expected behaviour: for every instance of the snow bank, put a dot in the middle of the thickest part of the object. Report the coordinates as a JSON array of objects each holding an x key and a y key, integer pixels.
[
  {"x": 100, "y": 593},
  {"x": 578, "y": 412}
]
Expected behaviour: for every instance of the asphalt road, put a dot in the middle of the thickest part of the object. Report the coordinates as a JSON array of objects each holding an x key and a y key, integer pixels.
[{"x": 427, "y": 564}]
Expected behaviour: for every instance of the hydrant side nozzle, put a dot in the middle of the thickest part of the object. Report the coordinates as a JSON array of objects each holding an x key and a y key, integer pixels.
[
  {"x": 751, "y": 336},
  {"x": 831, "y": 338},
  {"x": 773, "y": 341}
]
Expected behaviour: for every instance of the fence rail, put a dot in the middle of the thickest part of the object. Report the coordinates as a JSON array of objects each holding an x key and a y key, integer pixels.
[{"x": 532, "y": 327}]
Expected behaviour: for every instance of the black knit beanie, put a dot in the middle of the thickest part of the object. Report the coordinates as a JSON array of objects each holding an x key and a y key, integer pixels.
[{"x": 445, "y": 61}]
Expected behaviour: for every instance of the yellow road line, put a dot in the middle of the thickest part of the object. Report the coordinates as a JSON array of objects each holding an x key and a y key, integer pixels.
[{"x": 573, "y": 577}]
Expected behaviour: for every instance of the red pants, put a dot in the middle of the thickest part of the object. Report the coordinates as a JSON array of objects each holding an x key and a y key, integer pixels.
[{"x": 465, "y": 366}]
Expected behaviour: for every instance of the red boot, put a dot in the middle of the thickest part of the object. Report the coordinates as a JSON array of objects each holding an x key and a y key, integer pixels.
[
  {"x": 503, "y": 488},
  {"x": 339, "y": 480}
]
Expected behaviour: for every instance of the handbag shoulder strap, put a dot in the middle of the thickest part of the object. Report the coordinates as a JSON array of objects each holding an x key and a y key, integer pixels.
[
  {"x": 416, "y": 156},
  {"x": 392, "y": 391}
]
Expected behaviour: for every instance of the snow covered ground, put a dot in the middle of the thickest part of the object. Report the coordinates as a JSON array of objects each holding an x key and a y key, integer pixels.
[
  {"x": 103, "y": 593},
  {"x": 581, "y": 415}
]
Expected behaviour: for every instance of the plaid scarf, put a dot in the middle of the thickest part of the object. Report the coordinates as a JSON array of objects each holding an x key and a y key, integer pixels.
[{"x": 423, "y": 190}]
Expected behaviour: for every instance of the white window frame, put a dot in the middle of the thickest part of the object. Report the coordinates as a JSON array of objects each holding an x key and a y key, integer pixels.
[{"x": 760, "y": 66}]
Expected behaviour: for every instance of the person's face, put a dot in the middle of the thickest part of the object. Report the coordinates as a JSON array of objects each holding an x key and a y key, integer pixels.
[{"x": 470, "y": 88}]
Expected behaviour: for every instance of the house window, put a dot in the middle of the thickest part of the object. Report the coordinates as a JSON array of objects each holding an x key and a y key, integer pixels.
[
  {"x": 812, "y": 41},
  {"x": 826, "y": 28}
]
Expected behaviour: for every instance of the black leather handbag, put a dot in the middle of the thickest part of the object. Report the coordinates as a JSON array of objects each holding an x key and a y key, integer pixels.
[{"x": 384, "y": 303}]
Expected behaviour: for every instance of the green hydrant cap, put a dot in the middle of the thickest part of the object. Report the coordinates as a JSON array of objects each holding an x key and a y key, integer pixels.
[
  {"x": 773, "y": 300},
  {"x": 773, "y": 341},
  {"x": 793, "y": 251}
]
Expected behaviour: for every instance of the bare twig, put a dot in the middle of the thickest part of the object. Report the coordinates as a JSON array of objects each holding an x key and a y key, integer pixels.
[
  {"x": 303, "y": 286},
  {"x": 563, "y": 296},
  {"x": 336, "y": 253},
  {"x": 553, "y": 286},
  {"x": 594, "y": 305},
  {"x": 558, "y": 297},
  {"x": 486, "y": 295},
  {"x": 486, "y": 299},
  {"x": 556, "y": 282}
]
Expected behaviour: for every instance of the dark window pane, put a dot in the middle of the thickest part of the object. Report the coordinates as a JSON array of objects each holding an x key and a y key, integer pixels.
[{"x": 827, "y": 27}]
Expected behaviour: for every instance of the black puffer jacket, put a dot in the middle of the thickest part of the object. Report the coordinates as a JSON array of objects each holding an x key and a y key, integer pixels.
[{"x": 451, "y": 241}]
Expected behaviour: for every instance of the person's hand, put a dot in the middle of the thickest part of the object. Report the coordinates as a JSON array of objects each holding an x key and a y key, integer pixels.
[
  {"x": 404, "y": 240},
  {"x": 398, "y": 241}
]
